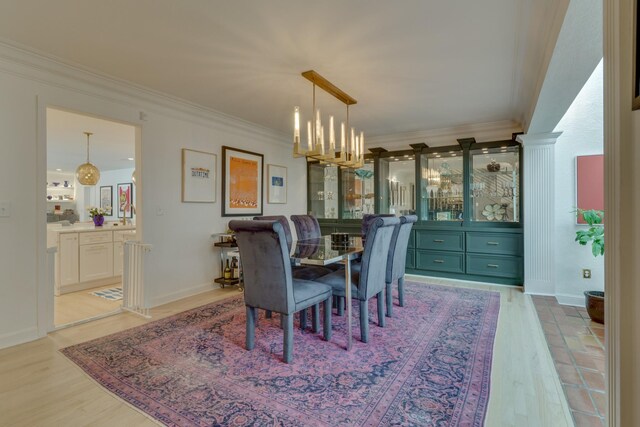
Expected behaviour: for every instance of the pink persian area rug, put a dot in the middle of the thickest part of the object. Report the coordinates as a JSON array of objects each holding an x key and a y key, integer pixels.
[{"x": 430, "y": 365}]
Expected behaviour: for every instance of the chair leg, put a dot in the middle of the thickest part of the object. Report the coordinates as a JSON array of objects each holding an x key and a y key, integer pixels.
[
  {"x": 389, "y": 300},
  {"x": 282, "y": 321},
  {"x": 381, "y": 316},
  {"x": 268, "y": 314},
  {"x": 303, "y": 319},
  {"x": 364, "y": 321},
  {"x": 287, "y": 350},
  {"x": 327, "y": 319},
  {"x": 315, "y": 318},
  {"x": 401, "y": 291},
  {"x": 251, "y": 328},
  {"x": 340, "y": 308}
]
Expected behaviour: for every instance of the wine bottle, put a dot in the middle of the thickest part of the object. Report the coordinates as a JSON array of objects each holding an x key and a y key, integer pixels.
[
  {"x": 234, "y": 266},
  {"x": 227, "y": 271}
]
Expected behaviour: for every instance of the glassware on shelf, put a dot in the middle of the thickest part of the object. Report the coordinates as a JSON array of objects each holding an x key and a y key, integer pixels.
[
  {"x": 442, "y": 186},
  {"x": 323, "y": 185},
  {"x": 357, "y": 191},
  {"x": 495, "y": 184}
]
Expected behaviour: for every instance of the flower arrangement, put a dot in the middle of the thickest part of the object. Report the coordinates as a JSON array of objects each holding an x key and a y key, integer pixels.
[{"x": 94, "y": 212}]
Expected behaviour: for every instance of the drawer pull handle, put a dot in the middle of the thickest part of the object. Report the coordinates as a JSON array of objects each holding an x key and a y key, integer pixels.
[
  {"x": 439, "y": 241},
  {"x": 493, "y": 265},
  {"x": 493, "y": 243},
  {"x": 438, "y": 261}
]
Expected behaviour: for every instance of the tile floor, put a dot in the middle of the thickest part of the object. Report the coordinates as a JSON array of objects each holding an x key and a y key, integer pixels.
[{"x": 577, "y": 347}]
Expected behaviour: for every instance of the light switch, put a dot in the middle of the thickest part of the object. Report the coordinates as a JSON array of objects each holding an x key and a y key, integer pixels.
[{"x": 5, "y": 208}]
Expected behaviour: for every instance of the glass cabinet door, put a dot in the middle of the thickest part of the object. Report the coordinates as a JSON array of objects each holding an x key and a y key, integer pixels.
[
  {"x": 398, "y": 185},
  {"x": 357, "y": 191},
  {"x": 442, "y": 182},
  {"x": 323, "y": 190},
  {"x": 495, "y": 184}
]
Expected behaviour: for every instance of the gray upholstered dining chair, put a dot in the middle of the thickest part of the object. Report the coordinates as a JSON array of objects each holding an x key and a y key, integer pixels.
[
  {"x": 308, "y": 227},
  {"x": 370, "y": 281},
  {"x": 269, "y": 284},
  {"x": 305, "y": 272},
  {"x": 397, "y": 259}
]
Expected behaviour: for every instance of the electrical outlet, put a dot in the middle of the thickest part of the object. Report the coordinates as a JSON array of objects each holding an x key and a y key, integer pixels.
[{"x": 586, "y": 273}]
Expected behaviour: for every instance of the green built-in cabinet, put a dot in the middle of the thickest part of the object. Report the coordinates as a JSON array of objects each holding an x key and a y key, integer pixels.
[{"x": 467, "y": 199}]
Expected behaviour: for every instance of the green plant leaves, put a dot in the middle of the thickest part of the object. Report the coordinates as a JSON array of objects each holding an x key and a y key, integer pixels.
[{"x": 595, "y": 233}]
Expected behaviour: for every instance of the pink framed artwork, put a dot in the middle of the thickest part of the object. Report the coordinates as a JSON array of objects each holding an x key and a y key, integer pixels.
[
  {"x": 125, "y": 200},
  {"x": 589, "y": 183}
]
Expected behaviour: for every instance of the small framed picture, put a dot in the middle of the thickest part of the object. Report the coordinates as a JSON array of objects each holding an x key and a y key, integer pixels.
[
  {"x": 106, "y": 199},
  {"x": 125, "y": 200},
  {"x": 276, "y": 184},
  {"x": 198, "y": 176}
]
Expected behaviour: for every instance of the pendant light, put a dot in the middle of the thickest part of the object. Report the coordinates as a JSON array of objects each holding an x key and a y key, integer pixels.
[{"x": 87, "y": 173}]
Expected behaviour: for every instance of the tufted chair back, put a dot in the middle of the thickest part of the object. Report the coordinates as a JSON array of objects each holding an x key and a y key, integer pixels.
[
  {"x": 374, "y": 257},
  {"x": 307, "y": 226},
  {"x": 397, "y": 259}
]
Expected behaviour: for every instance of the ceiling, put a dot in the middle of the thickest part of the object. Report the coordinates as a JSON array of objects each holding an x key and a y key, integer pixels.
[
  {"x": 111, "y": 145},
  {"x": 412, "y": 65}
]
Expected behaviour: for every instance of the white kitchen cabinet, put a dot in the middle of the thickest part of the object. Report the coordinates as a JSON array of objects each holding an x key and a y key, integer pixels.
[
  {"x": 96, "y": 261},
  {"x": 118, "y": 257},
  {"x": 68, "y": 259}
]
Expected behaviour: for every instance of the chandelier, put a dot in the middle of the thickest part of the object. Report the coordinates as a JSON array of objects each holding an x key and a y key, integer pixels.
[
  {"x": 350, "y": 153},
  {"x": 87, "y": 173}
]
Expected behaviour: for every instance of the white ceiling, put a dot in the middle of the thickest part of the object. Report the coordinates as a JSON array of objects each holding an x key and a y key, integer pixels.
[
  {"x": 111, "y": 144},
  {"x": 412, "y": 65}
]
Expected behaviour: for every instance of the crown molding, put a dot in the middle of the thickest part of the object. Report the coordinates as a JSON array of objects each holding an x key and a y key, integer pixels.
[
  {"x": 482, "y": 132},
  {"x": 43, "y": 68},
  {"x": 535, "y": 139}
]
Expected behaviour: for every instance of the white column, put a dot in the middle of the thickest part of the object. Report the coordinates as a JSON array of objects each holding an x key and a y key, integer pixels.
[{"x": 538, "y": 211}]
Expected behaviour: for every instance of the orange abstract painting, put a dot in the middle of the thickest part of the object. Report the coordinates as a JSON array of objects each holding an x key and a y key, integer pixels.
[{"x": 243, "y": 184}]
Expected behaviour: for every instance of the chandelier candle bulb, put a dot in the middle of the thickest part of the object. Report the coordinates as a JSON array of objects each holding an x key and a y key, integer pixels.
[
  {"x": 316, "y": 130},
  {"x": 296, "y": 126},
  {"x": 332, "y": 135},
  {"x": 309, "y": 136},
  {"x": 353, "y": 142},
  {"x": 322, "y": 140},
  {"x": 362, "y": 145}
]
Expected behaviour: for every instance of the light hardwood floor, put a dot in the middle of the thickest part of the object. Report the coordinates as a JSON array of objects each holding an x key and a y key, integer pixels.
[
  {"x": 80, "y": 305},
  {"x": 40, "y": 387}
]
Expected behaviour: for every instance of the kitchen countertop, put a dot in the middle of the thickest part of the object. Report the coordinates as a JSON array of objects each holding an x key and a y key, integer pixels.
[{"x": 86, "y": 227}]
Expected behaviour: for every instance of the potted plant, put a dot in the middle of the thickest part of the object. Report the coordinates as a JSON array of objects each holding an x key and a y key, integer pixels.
[{"x": 593, "y": 235}]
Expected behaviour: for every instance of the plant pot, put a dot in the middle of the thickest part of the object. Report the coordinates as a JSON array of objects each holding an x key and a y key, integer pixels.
[
  {"x": 98, "y": 220},
  {"x": 594, "y": 301}
]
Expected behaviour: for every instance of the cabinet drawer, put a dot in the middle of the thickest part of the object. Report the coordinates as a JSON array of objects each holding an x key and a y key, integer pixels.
[
  {"x": 95, "y": 237},
  {"x": 411, "y": 258},
  {"x": 495, "y": 265},
  {"x": 440, "y": 261},
  {"x": 440, "y": 240},
  {"x": 495, "y": 243},
  {"x": 124, "y": 235}
]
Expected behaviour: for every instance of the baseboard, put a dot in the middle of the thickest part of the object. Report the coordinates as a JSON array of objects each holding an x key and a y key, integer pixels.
[
  {"x": 19, "y": 337},
  {"x": 565, "y": 299},
  {"x": 182, "y": 293}
]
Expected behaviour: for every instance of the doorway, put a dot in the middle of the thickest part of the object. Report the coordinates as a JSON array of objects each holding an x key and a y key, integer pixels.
[{"x": 89, "y": 217}]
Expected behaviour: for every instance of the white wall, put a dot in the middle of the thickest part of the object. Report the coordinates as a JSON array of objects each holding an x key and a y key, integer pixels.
[
  {"x": 182, "y": 261},
  {"x": 582, "y": 134}
]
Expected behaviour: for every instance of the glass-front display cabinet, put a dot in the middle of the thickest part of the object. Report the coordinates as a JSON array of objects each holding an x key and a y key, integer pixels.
[
  {"x": 323, "y": 190},
  {"x": 495, "y": 184},
  {"x": 358, "y": 196},
  {"x": 442, "y": 186},
  {"x": 397, "y": 185}
]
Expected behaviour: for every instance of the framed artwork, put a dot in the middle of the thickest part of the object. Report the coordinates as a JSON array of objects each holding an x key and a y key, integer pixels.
[
  {"x": 198, "y": 176},
  {"x": 589, "y": 183},
  {"x": 276, "y": 184},
  {"x": 125, "y": 200},
  {"x": 106, "y": 199},
  {"x": 242, "y": 173}
]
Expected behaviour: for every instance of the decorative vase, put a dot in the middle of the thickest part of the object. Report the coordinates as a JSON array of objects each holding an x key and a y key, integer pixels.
[
  {"x": 98, "y": 220},
  {"x": 595, "y": 305}
]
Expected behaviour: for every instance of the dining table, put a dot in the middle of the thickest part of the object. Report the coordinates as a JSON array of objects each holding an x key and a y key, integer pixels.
[{"x": 324, "y": 251}]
